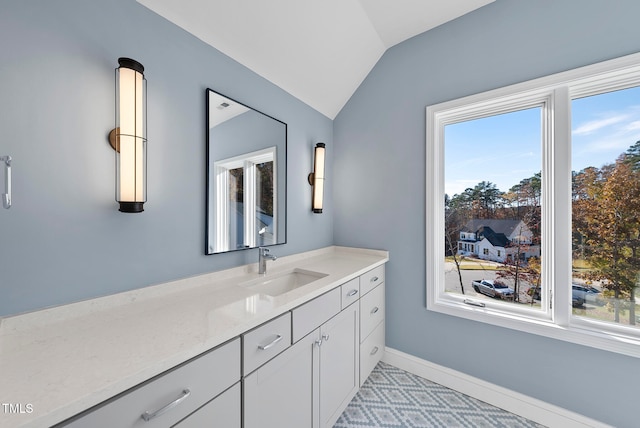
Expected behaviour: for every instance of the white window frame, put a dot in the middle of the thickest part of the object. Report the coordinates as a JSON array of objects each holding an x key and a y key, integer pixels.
[
  {"x": 553, "y": 94},
  {"x": 222, "y": 221}
]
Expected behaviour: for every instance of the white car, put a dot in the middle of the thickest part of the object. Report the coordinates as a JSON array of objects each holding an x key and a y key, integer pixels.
[{"x": 493, "y": 289}]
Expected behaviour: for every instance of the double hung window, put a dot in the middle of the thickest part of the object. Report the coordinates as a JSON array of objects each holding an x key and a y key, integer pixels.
[{"x": 536, "y": 188}]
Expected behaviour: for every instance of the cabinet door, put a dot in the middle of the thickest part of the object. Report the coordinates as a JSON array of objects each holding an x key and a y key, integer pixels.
[
  {"x": 284, "y": 391},
  {"x": 339, "y": 364},
  {"x": 223, "y": 411}
]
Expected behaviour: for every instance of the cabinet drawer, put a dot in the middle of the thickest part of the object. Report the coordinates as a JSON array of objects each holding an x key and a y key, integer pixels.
[
  {"x": 350, "y": 292},
  {"x": 371, "y": 311},
  {"x": 371, "y": 351},
  {"x": 309, "y": 316},
  {"x": 371, "y": 279},
  {"x": 223, "y": 411},
  {"x": 180, "y": 391},
  {"x": 265, "y": 342}
]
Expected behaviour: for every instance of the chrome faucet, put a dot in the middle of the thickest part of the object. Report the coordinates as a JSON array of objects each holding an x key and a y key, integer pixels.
[{"x": 263, "y": 256}]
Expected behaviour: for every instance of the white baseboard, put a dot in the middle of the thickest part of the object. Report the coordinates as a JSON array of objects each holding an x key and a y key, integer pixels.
[{"x": 511, "y": 401}]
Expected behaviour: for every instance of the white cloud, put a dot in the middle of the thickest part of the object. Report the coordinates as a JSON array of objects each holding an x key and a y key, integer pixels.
[
  {"x": 596, "y": 125},
  {"x": 632, "y": 126}
]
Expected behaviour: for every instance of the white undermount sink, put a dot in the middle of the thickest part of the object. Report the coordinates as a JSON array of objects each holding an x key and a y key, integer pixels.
[{"x": 282, "y": 282}]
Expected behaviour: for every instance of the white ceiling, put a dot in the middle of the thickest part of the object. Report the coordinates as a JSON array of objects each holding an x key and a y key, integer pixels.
[{"x": 318, "y": 51}]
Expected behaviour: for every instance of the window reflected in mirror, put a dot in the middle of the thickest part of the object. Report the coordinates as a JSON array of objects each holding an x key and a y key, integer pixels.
[
  {"x": 246, "y": 198},
  {"x": 246, "y": 177}
]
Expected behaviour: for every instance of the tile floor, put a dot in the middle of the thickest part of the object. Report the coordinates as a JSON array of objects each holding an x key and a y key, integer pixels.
[{"x": 394, "y": 398}]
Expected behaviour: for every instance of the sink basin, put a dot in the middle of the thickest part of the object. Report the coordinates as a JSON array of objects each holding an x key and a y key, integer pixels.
[{"x": 282, "y": 282}]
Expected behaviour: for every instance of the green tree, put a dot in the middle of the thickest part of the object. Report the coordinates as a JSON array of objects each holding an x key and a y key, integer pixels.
[
  {"x": 632, "y": 156},
  {"x": 606, "y": 203}
]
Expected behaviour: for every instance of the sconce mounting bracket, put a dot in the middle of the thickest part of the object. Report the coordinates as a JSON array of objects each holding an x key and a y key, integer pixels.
[{"x": 113, "y": 140}]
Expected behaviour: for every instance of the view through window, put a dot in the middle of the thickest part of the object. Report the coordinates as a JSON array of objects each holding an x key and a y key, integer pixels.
[
  {"x": 493, "y": 189},
  {"x": 606, "y": 206}
]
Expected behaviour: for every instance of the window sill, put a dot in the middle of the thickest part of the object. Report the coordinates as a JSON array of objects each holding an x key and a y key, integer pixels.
[{"x": 581, "y": 332}]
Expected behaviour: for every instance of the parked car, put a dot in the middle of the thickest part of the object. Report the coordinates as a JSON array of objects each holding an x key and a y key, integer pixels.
[
  {"x": 578, "y": 297},
  {"x": 589, "y": 294},
  {"x": 493, "y": 289}
]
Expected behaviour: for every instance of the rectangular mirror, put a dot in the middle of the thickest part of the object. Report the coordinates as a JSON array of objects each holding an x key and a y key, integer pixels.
[{"x": 246, "y": 177}]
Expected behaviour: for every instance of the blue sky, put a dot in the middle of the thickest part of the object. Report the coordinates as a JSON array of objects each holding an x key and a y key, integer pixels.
[{"x": 505, "y": 149}]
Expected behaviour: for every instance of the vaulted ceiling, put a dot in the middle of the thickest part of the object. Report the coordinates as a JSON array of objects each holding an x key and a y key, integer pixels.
[{"x": 318, "y": 51}]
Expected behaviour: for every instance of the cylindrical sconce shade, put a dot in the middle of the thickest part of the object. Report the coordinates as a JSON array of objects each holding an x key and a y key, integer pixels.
[
  {"x": 131, "y": 136},
  {"x": 316, "y": 178}
]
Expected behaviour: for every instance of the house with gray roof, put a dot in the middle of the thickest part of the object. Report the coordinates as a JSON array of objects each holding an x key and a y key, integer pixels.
[{"x": 497, "y": 240}]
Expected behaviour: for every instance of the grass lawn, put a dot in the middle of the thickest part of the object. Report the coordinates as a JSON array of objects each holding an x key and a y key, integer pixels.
[{"x": 475, "y": 264}]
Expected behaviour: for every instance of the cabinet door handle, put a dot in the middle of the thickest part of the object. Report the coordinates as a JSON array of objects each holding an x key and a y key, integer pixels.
[
  {"x": 6, "y": 197},
  {"x": 374, "y": 351},
  {"x": 325, "y": 337},
  {"x": 318, "y": 342},
  {"x": 374, "y": 310},
  {"x": 352, "y": 293},
  {"x": 374, "y": 279},
  {"x": 147, "y": 416},
  {"x": 271, "y": 344}
]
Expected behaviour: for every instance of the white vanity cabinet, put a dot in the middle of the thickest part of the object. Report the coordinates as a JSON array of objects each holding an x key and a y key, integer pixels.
[
  {"x": 335, "y": 354},
  {"x": 177, "y": 396},
  {"x": 239, "y": 357},
  {"x": 372, "y": 335},
  {"x": 286, "y": 391},
  {"x": 311, "y": 383},
  {"x": 300, "y": 369}
]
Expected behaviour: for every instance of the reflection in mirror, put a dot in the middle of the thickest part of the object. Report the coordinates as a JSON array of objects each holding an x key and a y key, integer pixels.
[{"x": 246, "y": 177}]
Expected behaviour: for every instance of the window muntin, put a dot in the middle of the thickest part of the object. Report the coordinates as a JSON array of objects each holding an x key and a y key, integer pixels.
[
  {"x": 554, "y": 94},
  {"x": 605, "y": 166}
]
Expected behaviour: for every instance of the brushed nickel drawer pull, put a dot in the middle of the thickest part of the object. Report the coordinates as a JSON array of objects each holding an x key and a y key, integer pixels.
[
  {"x": 265, "y": 347},
  {"x": 147, "y": 416},
  {"x": 374, "y": 310},
  {"x": 374, "y": 279},
  {"x": 374, "y": 351},
  {"x": 352, "y": 293}
]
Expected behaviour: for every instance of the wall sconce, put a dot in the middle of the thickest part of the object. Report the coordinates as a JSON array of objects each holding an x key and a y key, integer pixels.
[
  {"x": 316, "y": 178},
  {"x": 129, "y": 138}
]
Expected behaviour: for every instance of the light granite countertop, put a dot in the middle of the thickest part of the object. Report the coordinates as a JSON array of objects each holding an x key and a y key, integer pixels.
[{"x": 58, "y": 362}]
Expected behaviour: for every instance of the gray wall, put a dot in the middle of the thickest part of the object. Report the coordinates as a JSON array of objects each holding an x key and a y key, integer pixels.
[
  {"x": 64, "y": 239},
  {"x": 379, "y": 157}
]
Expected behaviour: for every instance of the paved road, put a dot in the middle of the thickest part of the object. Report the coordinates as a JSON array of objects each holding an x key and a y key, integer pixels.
[{"x": 452, "y": 282}]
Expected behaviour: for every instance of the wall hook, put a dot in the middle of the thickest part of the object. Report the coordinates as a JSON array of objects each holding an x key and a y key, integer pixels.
[{"x": 6, "y": 197}]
